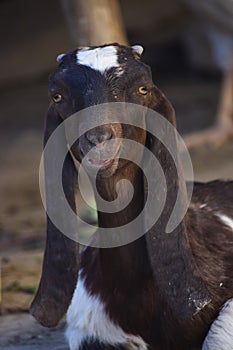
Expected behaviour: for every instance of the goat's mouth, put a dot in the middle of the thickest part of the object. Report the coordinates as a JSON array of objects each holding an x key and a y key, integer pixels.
[
  {"x": 99, "y": 162},
  {"x": 103, "y": 162}
]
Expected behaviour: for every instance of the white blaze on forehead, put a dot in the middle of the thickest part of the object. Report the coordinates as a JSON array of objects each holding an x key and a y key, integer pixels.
[{"x": 100, "y": 58}]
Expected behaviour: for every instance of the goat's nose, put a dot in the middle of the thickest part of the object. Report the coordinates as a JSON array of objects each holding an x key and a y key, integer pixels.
[{"x": 98, "y": 136}]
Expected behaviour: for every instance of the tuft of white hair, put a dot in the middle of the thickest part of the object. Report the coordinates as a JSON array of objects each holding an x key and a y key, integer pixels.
[{"x": 100, "y": 58}]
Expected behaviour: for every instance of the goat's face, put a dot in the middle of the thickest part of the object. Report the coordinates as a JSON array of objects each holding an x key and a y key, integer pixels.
[{"x": 92, "y": 76}]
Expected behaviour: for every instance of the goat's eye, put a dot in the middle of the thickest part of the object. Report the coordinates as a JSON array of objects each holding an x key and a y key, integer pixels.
[
  {"x": 143, "y": 90},
  {"x": 57, "y": 98}
]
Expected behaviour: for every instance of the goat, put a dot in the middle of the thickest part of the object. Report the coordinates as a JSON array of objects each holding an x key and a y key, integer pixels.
[{"x": 160, "y": 291}]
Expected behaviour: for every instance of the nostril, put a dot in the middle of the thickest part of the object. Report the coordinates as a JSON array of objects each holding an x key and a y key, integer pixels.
[
  {"x": 90, "y": 136},
  {"x": 107, "y": 135}
]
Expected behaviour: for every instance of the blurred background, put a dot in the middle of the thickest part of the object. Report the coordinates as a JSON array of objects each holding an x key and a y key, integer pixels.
[{"x": 189, "y": 46}]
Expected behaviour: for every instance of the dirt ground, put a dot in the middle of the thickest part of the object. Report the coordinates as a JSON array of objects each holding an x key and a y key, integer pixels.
[{"x": 22, "y": 222}]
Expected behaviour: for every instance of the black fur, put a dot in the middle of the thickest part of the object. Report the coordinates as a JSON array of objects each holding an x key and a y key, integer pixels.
[{"x": 165, "y": 288}]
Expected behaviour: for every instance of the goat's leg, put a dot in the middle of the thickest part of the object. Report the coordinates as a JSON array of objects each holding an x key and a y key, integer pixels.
[
  {"x": 222, "y": 130},
  {"x": 220, "y": 335}
]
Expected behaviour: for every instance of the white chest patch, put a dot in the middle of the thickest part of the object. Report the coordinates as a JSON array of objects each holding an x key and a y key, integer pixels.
[
  {"x": 87, "y": 319},
  {"x": 100, "y": 58},
  {"x": 226, "y": 220},
  {"x": 220, "y": 335}
]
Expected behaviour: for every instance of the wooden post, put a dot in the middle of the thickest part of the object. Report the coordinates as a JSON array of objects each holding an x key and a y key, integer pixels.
[{"x": 94, "y": 22}]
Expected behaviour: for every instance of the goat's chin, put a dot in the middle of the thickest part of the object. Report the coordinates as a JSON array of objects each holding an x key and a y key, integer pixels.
[{"x": 101, "y": 168}]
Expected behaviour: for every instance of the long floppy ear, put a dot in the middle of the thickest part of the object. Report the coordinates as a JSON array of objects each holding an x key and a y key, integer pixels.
[
  {"x": 171, "y": 258},
  {"x": 60, "y": 265}
]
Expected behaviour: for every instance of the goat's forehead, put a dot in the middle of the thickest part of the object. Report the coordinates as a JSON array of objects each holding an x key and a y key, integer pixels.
[
  {"x": 100, "y": 58},
  {"x": 103, "y": 58}
]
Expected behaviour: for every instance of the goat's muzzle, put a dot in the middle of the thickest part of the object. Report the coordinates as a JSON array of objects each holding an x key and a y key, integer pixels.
[{"x": 98, "y": 149}]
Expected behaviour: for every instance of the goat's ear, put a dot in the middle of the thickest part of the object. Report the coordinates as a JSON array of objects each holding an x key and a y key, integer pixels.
[
  {"x": 60, "y": 265},
  {"x": 170, "y": 254},
  {"x": 159, "y": 103}
]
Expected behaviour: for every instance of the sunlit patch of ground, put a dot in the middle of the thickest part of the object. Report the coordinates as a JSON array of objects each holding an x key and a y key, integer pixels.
[{"x": 19, "y": 272}]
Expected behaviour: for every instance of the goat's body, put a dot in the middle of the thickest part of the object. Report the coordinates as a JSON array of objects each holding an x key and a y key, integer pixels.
[
  {"x": 129, "y": 297},
  {"x": 163, "y": 290}
]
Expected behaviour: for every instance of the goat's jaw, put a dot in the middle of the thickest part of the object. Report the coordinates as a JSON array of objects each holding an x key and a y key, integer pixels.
[
  {"x": 102, "y": 168},
  {"x": 103, "y": 163}
]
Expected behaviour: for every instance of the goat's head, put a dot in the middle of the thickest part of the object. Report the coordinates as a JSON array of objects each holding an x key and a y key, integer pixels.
[{"x": 92, "y": 76}]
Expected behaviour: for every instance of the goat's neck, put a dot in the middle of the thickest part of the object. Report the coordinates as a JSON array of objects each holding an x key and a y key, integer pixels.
[
  {"x": 132, "y": 255},
  {"x": 107, "y": 190}
]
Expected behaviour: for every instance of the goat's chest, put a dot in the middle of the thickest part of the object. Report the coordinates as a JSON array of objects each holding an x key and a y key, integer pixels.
[{"x": 89, "y": 325}]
